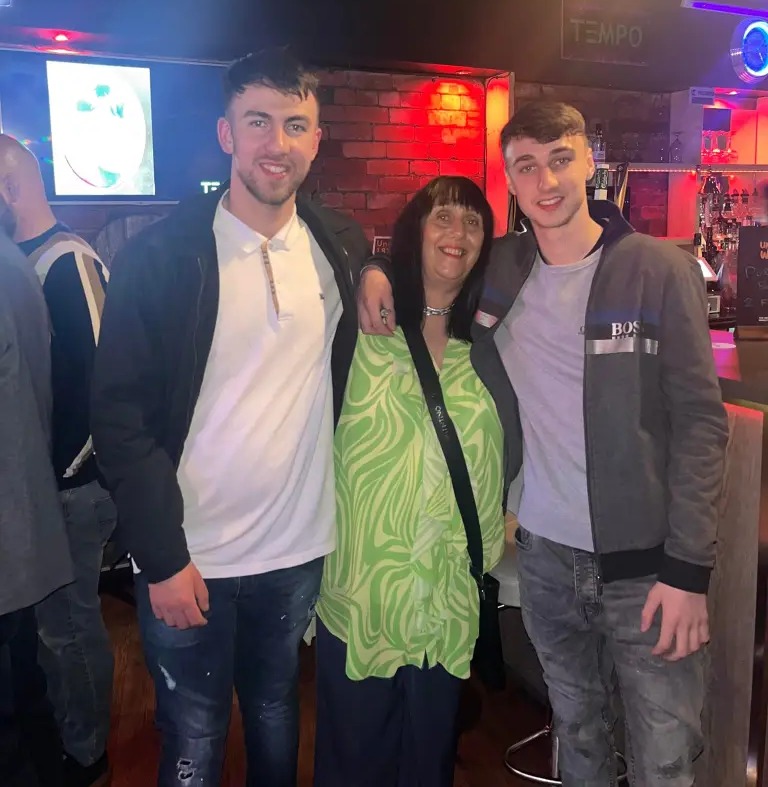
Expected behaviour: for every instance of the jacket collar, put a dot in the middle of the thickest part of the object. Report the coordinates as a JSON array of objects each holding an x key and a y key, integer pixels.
[{"x": 512, "y": 259}]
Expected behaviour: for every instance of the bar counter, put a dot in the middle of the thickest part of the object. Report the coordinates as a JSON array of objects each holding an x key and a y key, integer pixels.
[{"x": 736, "y": 706}]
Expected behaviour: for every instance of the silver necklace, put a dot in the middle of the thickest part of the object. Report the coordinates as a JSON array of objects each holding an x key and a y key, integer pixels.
[{"x": 429, "y": 311}]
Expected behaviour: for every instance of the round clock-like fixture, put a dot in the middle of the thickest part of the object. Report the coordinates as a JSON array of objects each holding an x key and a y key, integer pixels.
[{"x": 749, "y": 50}]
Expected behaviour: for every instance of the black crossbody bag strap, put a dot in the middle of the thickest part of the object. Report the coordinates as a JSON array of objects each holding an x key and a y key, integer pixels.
[{"x": 454, "y": 456}]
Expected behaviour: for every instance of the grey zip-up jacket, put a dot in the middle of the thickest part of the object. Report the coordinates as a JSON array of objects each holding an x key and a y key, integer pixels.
[
  {"x": 34, "y": 551},
  {"x": 654, "y": 421}
]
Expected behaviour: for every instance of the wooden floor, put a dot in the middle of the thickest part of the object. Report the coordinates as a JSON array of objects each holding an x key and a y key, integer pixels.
[{"x": 134, "y": 747}]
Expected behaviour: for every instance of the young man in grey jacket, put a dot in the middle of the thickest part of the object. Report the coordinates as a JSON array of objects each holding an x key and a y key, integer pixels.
[
  {"x": 596, "y": 339},
  {"x": 34, "y": 557}
]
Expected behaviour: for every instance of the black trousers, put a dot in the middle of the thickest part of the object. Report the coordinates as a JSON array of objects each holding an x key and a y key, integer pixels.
[
  {"x": 30, "y": 748},
  {"x": 383, "y": 732}
]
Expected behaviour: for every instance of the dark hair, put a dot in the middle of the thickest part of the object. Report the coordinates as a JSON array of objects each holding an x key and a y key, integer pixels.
[
  {"x": 544, "y": 122},
  {"x": 406, "y": 246},
  {"x": 275, "y": 68}
]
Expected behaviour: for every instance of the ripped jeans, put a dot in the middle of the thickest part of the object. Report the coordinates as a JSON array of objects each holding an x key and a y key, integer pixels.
[
  {"x": 251, "y": 643},
  {"x": 587, "y": 634}
]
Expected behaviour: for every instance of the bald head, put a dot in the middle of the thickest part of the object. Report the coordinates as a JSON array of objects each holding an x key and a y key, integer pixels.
[{"x": 22, "y": 192}]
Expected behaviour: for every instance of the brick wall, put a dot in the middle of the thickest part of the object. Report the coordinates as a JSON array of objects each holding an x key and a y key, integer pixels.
[
  {"x": 636, "y": 128},
  {"x": 385, "y": 136}
]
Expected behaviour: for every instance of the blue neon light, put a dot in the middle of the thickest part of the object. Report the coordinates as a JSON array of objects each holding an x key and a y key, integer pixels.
[
  {"x": 755, "y": 48},
  {"x": 730, "y": 9}
]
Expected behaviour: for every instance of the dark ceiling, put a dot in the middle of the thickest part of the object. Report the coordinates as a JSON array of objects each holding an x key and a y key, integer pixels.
[{"x": 685, "y": 47}]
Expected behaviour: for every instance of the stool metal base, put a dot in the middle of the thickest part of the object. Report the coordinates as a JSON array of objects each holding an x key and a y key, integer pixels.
[{"x": 554, "y": 777}]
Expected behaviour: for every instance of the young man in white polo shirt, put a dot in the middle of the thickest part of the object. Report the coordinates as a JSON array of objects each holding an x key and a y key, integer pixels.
[{"x": 226, "y": 341}]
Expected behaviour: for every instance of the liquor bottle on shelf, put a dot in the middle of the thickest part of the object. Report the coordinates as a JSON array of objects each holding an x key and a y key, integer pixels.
[{"x": 601, "y": 168}]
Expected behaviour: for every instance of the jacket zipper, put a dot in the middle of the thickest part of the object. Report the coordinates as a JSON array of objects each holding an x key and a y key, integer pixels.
[{"x": 588, "y": 464}]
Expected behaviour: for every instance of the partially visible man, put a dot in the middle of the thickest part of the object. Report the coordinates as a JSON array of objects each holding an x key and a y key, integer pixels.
[
  {"x": 608, "y": 372},
  {"x": 228, "y": 334},
  {"x": 34, "y": 557},
  {"x": 75, "y": 652}
]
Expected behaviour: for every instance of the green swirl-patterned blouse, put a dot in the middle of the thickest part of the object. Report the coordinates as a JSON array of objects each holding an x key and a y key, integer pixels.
[{"x": 397, "y": 589}]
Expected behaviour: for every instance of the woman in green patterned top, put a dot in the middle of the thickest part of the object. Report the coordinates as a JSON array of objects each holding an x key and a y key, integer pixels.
[{"x": 398, "y": 610}]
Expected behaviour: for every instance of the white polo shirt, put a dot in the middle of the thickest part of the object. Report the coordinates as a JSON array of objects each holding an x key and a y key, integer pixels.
[{"x": 256, "y": 473}]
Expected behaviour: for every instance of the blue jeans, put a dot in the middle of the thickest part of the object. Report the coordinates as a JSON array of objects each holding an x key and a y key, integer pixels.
[
  {"x": 75, "y": 650},
  {"x": 586, "y": 634},
  {"x": 251, "y": 642}
]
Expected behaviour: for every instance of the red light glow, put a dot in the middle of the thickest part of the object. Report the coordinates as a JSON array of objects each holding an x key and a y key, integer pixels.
[{"x": 61, "y": 38}]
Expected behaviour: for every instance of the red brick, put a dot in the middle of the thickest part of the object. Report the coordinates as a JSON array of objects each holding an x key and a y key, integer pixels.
[
  {"x": 425, "y": 100},
  {"x": 413, "y": 84},
  {"x": 330, "y": 148},
  {"x": 343, "y": 166},
  {"x": 448, "y": 86},
  {"x": 366, "y": 98},
  {"x": 385, "y": 201},
  {"x": 424, "y": 167},
  {"x": 451, "y": 135},
  {"x": 442, "y": 117},
  {"x": 448, "y": 102},
  {"x": 345, "y": 114},
  {"x": 353, "y": 200},
  {"x": 370, "y": 81},
  {"x": 333, "y": 78},
  {"x": 441, "y": 150},
  {"x": 410, "y": 150},
  {"x": 344, "y": 95},
  {"x": 469, "y": 104},
  {"x": 332, "y": 199},
  {"x": 347, "y": 131},
  {"x": 469, "y": 150},
  {"x": 394, "y": 133},
  {"x": 475, "y": 120},
  {"x": 387, "y": 167},
  {"x": 401, "y": 184},
  {"x": 409, "y": 117},
  {"x": 389, "y": 98},
  {"x": 356, "y": 183},
  {"x": 425, "y": 180},
  {"x": 429, "y": 133},
  {"x": 460, "y": 167},
  {"x": 365, "y": 149},
  {"x": 378, "y": 218}
]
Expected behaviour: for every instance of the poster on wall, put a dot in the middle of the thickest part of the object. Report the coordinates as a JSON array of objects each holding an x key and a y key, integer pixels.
[
  {"x": 101, "y": 129},
  {"x": 381, "y": 244},
  {"x": 752, "y": 284},
  {"x": 605, "y": 31}
]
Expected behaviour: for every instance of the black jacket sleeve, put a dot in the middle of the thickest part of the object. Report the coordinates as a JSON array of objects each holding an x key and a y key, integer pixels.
[
  {"x": 128, "y": 393},
  {"x": 382, "y": 262}
]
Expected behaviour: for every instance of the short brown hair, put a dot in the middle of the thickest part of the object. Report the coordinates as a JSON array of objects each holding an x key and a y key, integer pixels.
[
  {"x": 544, "y": 122},
  {"x": 275, "y": 68}
]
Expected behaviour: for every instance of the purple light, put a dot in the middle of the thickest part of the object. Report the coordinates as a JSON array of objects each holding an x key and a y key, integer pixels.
[{"x": 728, "y": 9}]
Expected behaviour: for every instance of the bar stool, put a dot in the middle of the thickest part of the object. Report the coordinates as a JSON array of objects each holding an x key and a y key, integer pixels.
[{"x": 506, "y": 574}]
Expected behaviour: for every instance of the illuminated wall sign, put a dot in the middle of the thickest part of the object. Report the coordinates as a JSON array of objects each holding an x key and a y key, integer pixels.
[
  {"x": 749, "y": 50},
  {"x": 600, "y": 31}
]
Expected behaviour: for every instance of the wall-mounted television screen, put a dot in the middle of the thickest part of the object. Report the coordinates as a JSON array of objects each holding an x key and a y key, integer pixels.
[
  {"x": 115, "y": 130},
  {"x": 101, "y": 129}
]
